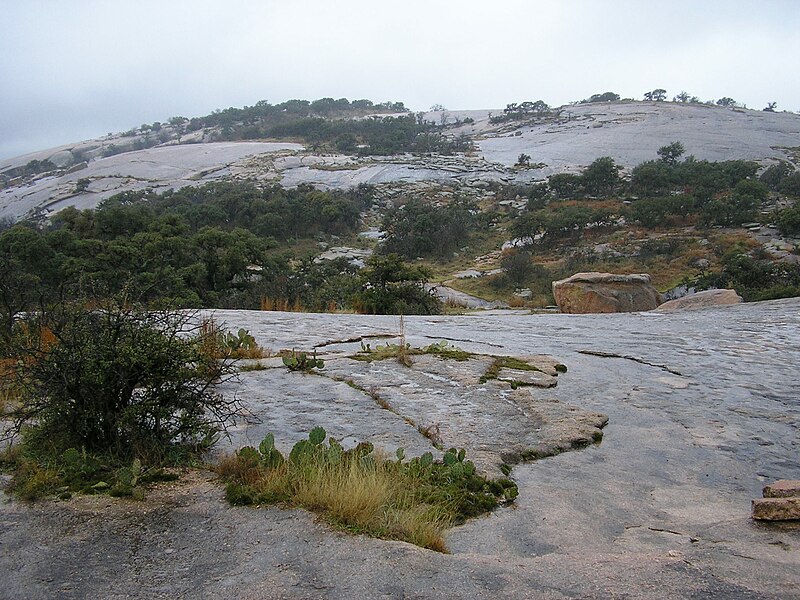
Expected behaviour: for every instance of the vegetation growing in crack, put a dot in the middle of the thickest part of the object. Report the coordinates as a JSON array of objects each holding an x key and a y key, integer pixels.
[
  {"x": 362, "y": 491},
  {"x": 386, "y": 351},
  {"x": 226, "y": 344},
  {"x": 509, "y": 362}
]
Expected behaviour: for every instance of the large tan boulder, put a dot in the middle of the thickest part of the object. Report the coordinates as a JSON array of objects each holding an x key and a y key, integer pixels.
[
  {"x": 703, "y": 300},
  {"x": 605, "y": 293}
]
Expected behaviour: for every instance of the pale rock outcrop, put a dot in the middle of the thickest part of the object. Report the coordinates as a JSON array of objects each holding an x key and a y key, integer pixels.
[
  {"x": 703, "y": 299},
  {"x": 605, "y": 293},
  {"x": 63, "y": 158}
]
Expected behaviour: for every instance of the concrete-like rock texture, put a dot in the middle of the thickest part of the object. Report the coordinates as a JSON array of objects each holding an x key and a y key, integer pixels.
[
  {"x": 587, "y": 293},
  {"x": 703, "y": 412}
]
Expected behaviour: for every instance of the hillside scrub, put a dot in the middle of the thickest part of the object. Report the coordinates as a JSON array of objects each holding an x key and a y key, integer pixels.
[
  {"x": 421, "y": 229},
  {"x": 229, "y": 245},
  {"x": 328, "y": 124},
  {"x": 238, "y": 245}
]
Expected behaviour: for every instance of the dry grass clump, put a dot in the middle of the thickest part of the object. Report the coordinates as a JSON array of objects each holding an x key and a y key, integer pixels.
[
  {"x": 364, "y": 492},
  {"x": 218, "y": 343},
  {"x": 10, "y": 393},
  {"x": 352, "y": 495},
  {"x": 281, "y": 305}
]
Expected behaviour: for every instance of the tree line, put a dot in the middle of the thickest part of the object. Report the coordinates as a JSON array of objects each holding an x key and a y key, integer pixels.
[{"x": 218, "y": 245}]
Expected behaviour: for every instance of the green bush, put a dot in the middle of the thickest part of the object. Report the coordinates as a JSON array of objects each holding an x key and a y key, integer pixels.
[
  {"x": 391, "y": 286},
  {"x": 788, "y": 220},
  {"x": 120, "y": 382}
]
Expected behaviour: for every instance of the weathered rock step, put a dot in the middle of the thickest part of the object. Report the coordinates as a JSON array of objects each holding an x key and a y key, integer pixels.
[
  {"x": 776, "y": 509},
  {"x": 785, "y": 488},
  {"x": 781, "y": 502}
]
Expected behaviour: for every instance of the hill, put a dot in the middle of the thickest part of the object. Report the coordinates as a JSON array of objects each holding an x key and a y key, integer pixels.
[
  {"x": 497, "y": 204},
  {"x": 566, "y": 140}
]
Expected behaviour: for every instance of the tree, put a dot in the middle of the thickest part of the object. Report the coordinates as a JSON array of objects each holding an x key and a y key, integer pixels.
[
  {"x": 671, "y": 153},
  {"x": 682, "y": 97},
  {"x": 565, "y": 185},
  {"x": 517, "y": 265},
  {"x": 28, "y": 273},
  {"x": 390, "y": 286},
  {"x": 529, "y": 227},
  {"x": 604, "y": 97},
  {"x": 788, "y": 220},
  {"x": 657, "y": 95},
  {"x": 790, "y": 185},
  {"x": 736, "y": 207},
  {"x": 538, "y": 107},
  {"x": 420, "y": 229},
  {"x": 601, "y": 177},
  {"x": 775, "y": 174},
  {"x": 771, "y": 106},
  {"x": 726, "y": 101},
  {"x": 346, "y": 143},
  {"x": 121, "y": 381},
  {"x": 523, "y": 160}
]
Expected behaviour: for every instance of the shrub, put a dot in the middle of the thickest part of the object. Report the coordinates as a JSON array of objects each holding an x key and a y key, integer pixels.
[
  {"x": 774, "y": 175},
  {"x": 788, "y": 220},
  {"x": 790, "y": 185},
  {"x": 121, "y": 382},
  {"x": 391, "y": 286}
]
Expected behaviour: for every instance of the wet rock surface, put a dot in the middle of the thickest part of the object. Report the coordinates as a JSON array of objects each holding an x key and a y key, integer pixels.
[{"x": 703, "y": 411}]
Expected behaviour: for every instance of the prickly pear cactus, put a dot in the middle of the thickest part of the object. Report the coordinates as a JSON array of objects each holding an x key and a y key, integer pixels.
[
  {"x": 301, "y": 361},
  {"x": 302, "y": 451},
  {"x": 426, "y": 459},
  {"x": 270, "y": 456},
  {"x": 316, "y": 436}
]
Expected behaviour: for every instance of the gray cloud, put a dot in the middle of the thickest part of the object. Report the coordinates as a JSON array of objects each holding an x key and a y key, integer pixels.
[{"x": 80, "y": 69}]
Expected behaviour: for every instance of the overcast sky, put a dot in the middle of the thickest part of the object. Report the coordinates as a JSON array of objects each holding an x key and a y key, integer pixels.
[{"x": 72, "y": 70}]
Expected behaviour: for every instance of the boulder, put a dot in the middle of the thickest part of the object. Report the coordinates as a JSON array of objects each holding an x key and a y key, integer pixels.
[
  {"x": 63, "y": 158},
  {"x": 703, "y": 299},
  {"x": 605, "y": 293}
]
